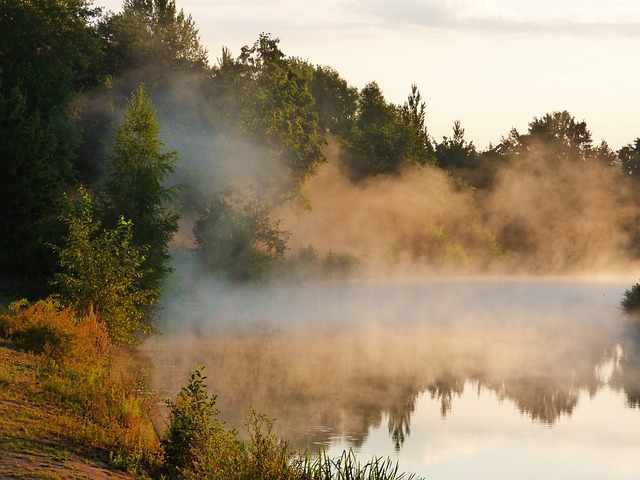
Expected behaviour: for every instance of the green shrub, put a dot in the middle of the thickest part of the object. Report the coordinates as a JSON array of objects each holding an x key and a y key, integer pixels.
[{"x": 631, "y": 299}]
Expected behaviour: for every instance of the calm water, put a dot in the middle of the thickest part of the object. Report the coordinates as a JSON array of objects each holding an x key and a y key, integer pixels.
[{"x": 454, "y": 379}]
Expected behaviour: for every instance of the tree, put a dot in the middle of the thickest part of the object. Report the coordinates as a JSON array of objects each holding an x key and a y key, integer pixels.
[
  {"x": 48, "y": 49},
  {"x": 32, "y": 180},
  {"x": 629, "y": 158},
  {"x": 419, "y": 148},
  {"x": 101, "y": 271},
  {"x": 455, "y": 152},
  {"x": 264, "y": 99},
  {"x": 384, "y": 136},
  {"x": 135, "y": 187},
  {"x": 556, "y": 137},
  {"x": 48, "y": 52},
  {"x": 335, "y": 101},
  {"x": 155, "y": 36},
  {"x": 238, "y": 239},
  {"x": 278, "y": 110},
  {"x": 375, "y": 144}
]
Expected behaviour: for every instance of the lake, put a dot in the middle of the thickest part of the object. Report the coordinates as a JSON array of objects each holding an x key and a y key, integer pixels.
[{"x": 453, "y": 378}]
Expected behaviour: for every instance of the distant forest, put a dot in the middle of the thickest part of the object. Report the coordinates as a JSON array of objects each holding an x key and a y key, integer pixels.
[{"x": 123, "y": 143}]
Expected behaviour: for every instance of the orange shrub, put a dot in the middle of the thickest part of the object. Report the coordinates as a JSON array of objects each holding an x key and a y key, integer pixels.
[{"x": 49, "y": 328}]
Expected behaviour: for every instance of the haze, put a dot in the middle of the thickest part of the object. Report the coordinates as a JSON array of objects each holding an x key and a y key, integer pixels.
[{"x": 493, "y": 65}]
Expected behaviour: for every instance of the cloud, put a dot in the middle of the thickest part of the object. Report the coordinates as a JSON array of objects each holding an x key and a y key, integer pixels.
[{"x": 482, "y": 16}]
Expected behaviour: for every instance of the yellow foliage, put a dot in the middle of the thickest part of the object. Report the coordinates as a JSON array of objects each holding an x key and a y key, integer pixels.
[{"x": 49, "y": 328}]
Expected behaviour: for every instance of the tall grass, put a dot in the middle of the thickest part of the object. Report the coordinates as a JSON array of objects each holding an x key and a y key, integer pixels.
[
  {"x": 74, "y": 371},
  {"x": 348, "y": 467}
]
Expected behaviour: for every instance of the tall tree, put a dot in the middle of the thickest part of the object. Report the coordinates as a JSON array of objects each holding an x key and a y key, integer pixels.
[
  {"x": 48, "y": 51},
  {"x": 419, "y": 148},
  {"x": 136, "y": 189},
  {"x": 455, "y": 152},
  {"x": 32, "y": 180},
  {"x": 335, "y": 101},
  {"x": 154, "y": 36},
  {"x": 278, "y": 110},
  {"x": 375, "y": 144},
  {"x": 629, "y": 157}
]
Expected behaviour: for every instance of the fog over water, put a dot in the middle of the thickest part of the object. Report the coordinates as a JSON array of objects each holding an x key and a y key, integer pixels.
[{"x": 349, "y": 364}]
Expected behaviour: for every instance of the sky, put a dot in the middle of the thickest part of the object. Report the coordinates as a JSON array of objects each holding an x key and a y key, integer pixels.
[{"x": 493, "y": 65}]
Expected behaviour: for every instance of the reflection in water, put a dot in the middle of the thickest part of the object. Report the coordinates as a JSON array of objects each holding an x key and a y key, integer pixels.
[{"x": 339, "y": 361}]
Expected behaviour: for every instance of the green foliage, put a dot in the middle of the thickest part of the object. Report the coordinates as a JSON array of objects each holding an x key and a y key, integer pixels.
[
  {"x": 33, "y": 175},
  {"x": 456, "y": 152},
  {"x": 266, "y": 96},
  {"x": 557, "y": 135},
  {"x": 101, "y": 272},
  {"x": 237, "y": 238},
  {"x": 631, "y": 299},
  {"x": 384, "y": 137},
  {"x": 197, "y": 444},
  {"x": 154, "y": 36},
  {"x": 347, "y": 467},
  {"x": 629, "y": 158},
  {"x": 335, "y": 102},
  {"x": 419, "y": 148},
  {"x": 307, "y": 264},
  {"x": 47, "y": 49},
  {"x": 135, "y": 188}
]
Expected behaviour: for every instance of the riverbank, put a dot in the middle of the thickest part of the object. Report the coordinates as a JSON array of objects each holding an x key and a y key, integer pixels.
[{"x": 44, "y": 436}]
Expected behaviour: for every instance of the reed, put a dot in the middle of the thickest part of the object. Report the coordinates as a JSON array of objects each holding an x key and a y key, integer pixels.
[{"x": 348, "y": 467}]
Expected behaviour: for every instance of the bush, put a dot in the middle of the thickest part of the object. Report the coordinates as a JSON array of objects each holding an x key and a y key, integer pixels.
[
  {"x": 631, "y": 299},
  {"x": 47, "y": 327}
]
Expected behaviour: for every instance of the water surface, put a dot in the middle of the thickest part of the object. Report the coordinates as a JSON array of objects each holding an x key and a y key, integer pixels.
[{"x": 511, "y": 378}]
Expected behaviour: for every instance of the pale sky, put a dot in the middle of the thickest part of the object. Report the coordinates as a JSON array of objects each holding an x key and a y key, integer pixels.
[{"x": 492, "y": 64}]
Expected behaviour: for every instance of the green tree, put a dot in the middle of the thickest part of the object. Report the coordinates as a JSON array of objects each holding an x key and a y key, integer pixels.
[
  {"x": 154, "y": 36},
  {"x": 335, "y": 101},
  {"x": 237, "y": 238},
  {"x": 629, "y": 158},
  {"x": 264, "y": 97},
  {"x": 48, "y": 49},
  {"x": 280, "y": 109},
  {"x": 48, "y": 53},
  {"x": 557, "y": 136},
  {"x": 455, "y": 152},
  {"x": 135, "y": 188},
  {"x": 375, "y": 144},
  {"x": 419, "y": 148},
  {"x": 101, "y": 272},
  {"x": 32, "y": 180},
  {"x": 384, "y": 136}
]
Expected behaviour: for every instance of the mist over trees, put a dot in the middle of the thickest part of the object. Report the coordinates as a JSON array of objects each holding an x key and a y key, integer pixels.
[{"x": 222, "y": 157}]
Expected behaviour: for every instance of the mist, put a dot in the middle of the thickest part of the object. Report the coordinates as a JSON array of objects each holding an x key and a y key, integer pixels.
[{"x": 514, "y": 288}]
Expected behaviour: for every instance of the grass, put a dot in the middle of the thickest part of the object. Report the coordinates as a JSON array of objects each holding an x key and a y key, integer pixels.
[{"x": 348, "y": 467}]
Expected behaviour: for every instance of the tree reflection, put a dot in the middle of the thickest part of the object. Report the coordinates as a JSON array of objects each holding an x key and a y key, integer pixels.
[
  {"x": 343, "y": 384},
  {"x": 626, "y": 375},
  {"x": 399, "y": 422},
  {"x": 542, "y": 399},
  {"x": 444, "y": 388}
]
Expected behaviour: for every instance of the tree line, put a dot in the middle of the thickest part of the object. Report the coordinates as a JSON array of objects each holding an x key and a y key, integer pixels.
[{"x": 92, "y": 195}]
